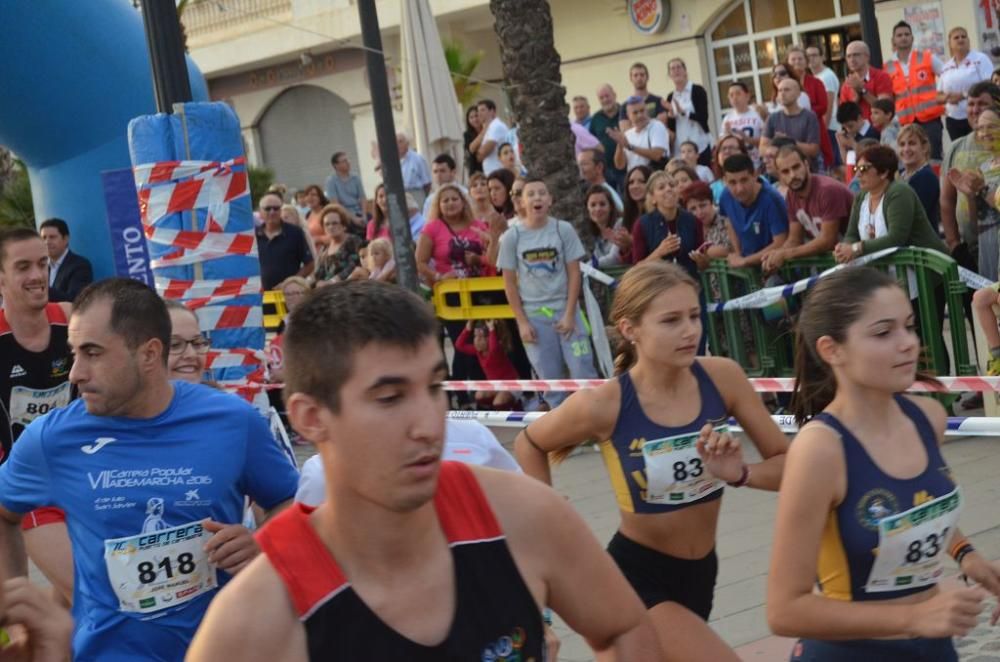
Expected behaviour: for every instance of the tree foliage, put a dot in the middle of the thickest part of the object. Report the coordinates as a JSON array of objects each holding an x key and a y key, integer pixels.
[{"x": 462, "y": 64}]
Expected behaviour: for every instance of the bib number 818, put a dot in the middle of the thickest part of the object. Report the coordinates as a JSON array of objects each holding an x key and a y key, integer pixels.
[{"x": 148, "y": 572}]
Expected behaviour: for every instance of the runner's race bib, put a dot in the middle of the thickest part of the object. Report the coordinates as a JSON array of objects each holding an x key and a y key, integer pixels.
[
  {"x": 675, "y": 473},
  {"x": 912, "y": 544},
  {"x": 161, "y": 569},
  {"x": 27, "y": 404}
]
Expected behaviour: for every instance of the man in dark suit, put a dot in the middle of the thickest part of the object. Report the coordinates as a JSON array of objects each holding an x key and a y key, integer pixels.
[{"x": 69, "y": 273}]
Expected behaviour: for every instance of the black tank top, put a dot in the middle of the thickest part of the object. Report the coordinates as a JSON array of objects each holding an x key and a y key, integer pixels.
[
  {"x": 496, "y": 617},
  {"x": 32, "y": 383}
]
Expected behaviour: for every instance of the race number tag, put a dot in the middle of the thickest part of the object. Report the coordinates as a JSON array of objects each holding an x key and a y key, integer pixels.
[
  {"x": 911, "y": 545},
  {"x": 674, "y": 470},
  {"x": 160, "y": 569},
  {"x": 27, "y": 404}
]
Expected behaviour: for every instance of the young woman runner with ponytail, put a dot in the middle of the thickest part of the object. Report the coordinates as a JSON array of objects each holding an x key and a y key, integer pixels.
[
  {"x": 868, "y": 509},
  {"x": 667, "y": 464}
]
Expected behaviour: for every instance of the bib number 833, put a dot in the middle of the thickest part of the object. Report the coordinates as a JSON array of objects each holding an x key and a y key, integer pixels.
[
  {"x": 148, "y": 572},
  {"x": 690, "y": 469},
  {"x": 916, "y": 552}
]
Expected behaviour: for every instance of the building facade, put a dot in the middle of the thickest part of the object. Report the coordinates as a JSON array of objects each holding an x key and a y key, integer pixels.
[{"x": 294, "y": 70}]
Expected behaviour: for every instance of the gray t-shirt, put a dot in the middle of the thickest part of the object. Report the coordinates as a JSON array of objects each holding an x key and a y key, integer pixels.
[
  {"x": 540, "y": 255},
  {"x": 803, "y": 128},
  {"x": 348, "y": 192}
]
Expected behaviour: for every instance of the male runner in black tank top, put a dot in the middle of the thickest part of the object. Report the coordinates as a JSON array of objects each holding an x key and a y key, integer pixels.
[
  {"x": 34, "y": 379},
  {"x": 408, "y": 558}
]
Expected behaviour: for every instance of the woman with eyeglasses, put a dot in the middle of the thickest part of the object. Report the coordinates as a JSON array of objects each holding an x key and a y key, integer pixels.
[
  {"x": 342, "y": 253},
  {"x": 188, "y": 347},
  {"x": 727, "y": 146},
  {"x": 780, "y": 72}
]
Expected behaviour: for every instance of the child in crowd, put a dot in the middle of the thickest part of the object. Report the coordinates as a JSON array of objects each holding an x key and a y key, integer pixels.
[
  {"x": 540, "y": 258},
  {"x": 885, "y": 122},
  {"x": 488, "y": 347},
  {"x": 689, "y": 154},
  {"x": 853, "y": 127},
  {"x": 379, "y": 263}
]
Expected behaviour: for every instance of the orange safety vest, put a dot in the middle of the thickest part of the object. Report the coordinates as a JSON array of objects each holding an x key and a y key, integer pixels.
[{"x": 916, "y": 94}]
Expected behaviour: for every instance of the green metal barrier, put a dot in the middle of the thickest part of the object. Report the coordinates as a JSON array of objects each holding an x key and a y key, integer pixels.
[{"x": 931, "y": 273}]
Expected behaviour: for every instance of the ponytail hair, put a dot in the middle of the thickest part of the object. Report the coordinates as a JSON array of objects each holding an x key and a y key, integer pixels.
[
  {"x": 831, "y": 307},
  {"x": 635, "y": 292}
]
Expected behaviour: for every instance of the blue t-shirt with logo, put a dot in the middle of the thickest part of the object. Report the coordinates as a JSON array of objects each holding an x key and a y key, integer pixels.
[
  {"x": 756, "y": 225},
  {"x": 145, "y": 484}
]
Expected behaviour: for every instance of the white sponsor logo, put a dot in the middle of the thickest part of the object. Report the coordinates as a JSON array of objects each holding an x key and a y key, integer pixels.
[
  {"x": 191, "y": 495},
  {"x": 18, "y": 371},
  {"x": 98, "y": 444}
]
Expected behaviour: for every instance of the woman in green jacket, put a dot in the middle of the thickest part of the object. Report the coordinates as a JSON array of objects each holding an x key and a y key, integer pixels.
[{"x": 886, "y": 213}]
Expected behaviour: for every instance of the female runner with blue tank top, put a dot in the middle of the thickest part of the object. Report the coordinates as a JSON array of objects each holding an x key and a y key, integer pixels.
[
  {"x": 667, "y": 464},
  {"x": 868, "y": 508}
]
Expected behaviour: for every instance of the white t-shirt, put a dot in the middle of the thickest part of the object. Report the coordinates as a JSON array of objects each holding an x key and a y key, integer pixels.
[
  {"x": 804, "y": 103},
  {"x": 496, "y": 132},
  {"x": 960, "y": 76},
  {"x": 465, "y": 441},
  {"x": 653, "y": 135},
  {"x": 748, "y": 123},
  {"x": 832, "y": 84}
]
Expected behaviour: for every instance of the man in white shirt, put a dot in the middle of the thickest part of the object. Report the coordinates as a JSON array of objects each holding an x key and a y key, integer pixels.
[
  {"x": 486, "y": 146},
  {"x": 416, "y": 174},
  {"x": 591, "y": 164},
  {"x": 814, "y": 55},
  {"x": 646, "y": 143}
]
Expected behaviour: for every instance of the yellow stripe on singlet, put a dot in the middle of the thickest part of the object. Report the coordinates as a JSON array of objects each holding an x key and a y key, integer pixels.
[
  {"x": 619, "y": 482},
  {"x": 833, "y": 572}
]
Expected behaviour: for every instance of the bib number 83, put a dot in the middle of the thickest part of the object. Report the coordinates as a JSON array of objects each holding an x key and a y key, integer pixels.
[
  {"x": 916, "y": 553},
  {"x": 148, "y": 572},
  {"x": 690, "y": 469}
]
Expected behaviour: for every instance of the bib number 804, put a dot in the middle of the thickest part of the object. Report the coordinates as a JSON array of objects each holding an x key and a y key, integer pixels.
[
  {"x": 148, "y": 572},
  {"x": 916, "y": 551},
  {"x": 690, "y": 469}
]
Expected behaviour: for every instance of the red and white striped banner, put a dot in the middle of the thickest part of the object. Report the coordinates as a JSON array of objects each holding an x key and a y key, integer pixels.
[
  {"x": 165, "y": 171},
  {"x": 211, "y": 318},
  {"x": 175, "y": 288},
  {"x": 229, "y": 243},
  {"x": 182, "y": 257},
  {"x": 231, "y": 358}
]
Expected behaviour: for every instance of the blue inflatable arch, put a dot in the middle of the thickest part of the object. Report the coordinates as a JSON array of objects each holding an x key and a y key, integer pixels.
[{"x": 73, "y": 75}]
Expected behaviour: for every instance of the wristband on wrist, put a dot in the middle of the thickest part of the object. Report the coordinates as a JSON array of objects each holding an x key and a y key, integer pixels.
[
  {"x": 857, "y": 247},
  {"x": 963, "y": 551},
  {"x": 744, "y": 478},
  {"x": 547, "y": 616}
]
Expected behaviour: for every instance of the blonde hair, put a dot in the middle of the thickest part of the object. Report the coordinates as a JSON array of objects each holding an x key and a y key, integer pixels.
[
  {"x": 377, "y": 244},
  {"x": 292, "y": 209},
  {"x": 435, "y": 210},
  {"x": 635, "y": 292},
  {"x": 916, "y": 131},
  {"x": 294, "y": 280}
]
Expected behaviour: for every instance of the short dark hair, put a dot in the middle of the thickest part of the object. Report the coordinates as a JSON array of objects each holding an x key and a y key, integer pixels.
[
  {"x": 886, "y": 106},
  {"x": 336, "y": 157},
  {"x": 445, "y": 159},
  {"x": 138, "y": 314},
  {"x": 689, "y": 142},
  {"x": 785, "y": 150},
  {"x": 595, "y": 155},
  {"x": 639, "y": 65},
  {"x": 488, "y": 103},
  {"x": 318, "y": 363},
  {"x": 738, "y": 163},
  {"x": 740, "y": 84},
  {"x": 60, "y": 225},
  {"x": 985, "y": 87},
  {"x": 901, "y": 24},
  {"x": 848, "y": 111},
  {"x": 782, "y": 141},
  {"x": 12, "y": 236},
  {"x": 532, "y": 178},
  {"x": 883, "y": 158}
]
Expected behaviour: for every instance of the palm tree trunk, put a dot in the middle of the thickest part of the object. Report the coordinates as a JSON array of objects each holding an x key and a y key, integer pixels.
[{"x": 534, "y": 85}]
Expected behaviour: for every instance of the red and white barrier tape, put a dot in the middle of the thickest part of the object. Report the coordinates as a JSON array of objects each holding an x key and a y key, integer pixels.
[
  {"x": 230, "y": 243},
  {"x": 231, "y": 358},
  {"x": 211, "y": 318},
  {"x": 165, "y": 171},
  {"x": 761, "y": 385},
  {"x": 175, "y": 288}
]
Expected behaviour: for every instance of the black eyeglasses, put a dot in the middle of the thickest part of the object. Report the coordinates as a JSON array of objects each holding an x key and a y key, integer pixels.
[
  {"x": 199, "y": 344},
  {"x": 271, "y": 208}
]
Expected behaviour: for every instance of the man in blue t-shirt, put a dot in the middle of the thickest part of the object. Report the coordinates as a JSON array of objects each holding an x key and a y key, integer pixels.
[
  {"x": 758, "y": 218},
  {"x": 152, "y": 476}
]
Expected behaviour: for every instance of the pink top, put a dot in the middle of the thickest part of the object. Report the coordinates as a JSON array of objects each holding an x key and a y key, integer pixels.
[
  {"x": 449, "y": 247},
  {"x": 383, "y": 232}
]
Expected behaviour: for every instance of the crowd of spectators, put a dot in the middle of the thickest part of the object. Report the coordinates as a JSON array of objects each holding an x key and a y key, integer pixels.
[{"x": 841, "y": 166}]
